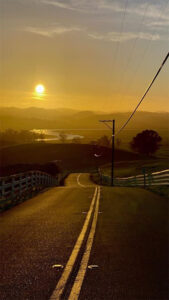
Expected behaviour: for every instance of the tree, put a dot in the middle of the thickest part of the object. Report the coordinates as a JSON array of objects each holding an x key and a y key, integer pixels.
[
  {"x": 62, "y": 137},
  {"x": 10, "y": 136},
  {"x": 50, "y": 167},
  {"x": 118, "y": 143},
  {"x": 104, "y": 141},
  {"x": 146, "y": 142},
  {"x": 76, "y": 140},
  {"x": 93, "y": 143}
]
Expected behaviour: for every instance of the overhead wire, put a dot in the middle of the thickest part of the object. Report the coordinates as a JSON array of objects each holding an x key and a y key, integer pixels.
[
  {"x": 132, "y": 114},
  {"x": 134, "y": 45}
]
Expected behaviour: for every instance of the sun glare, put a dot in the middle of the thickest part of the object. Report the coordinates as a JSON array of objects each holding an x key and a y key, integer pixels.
[{"x": 39, "y": 89}]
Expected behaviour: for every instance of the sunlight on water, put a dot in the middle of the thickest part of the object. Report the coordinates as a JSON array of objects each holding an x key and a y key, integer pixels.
[{"x": 55, "y": 135}]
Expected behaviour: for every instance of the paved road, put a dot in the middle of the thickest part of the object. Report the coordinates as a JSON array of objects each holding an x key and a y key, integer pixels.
[{"x": 130, "y": 244}]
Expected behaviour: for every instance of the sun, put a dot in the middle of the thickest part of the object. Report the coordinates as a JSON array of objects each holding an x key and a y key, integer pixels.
[{"x": 40, "y": 89}]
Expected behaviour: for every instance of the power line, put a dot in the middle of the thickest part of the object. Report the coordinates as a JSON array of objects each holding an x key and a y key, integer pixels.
[{"x": 125, "y": 124}]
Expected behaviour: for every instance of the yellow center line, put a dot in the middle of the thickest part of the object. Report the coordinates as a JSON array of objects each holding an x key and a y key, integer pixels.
[
  {"x": 69, "y": 266},
  {"x": 74, "y": 295}
]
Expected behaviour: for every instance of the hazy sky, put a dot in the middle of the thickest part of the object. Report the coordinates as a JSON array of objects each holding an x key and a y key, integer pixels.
[{"x": 89, "y": 54}]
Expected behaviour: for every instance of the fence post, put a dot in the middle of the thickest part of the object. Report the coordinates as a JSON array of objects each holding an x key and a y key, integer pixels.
[
  {"x": 150, "y": 179},
  {"x": 3, "y": 188},
  {"x": 144, "y": 173},
  {"x": 35, "y": 180},
  {"x": 27, "y": 185},
  {"x": 20, "y": 185},
  {"x": 31, "y": 174},
  {"x": 40, "y": 179},
  {"x": 13, "y": 187}
]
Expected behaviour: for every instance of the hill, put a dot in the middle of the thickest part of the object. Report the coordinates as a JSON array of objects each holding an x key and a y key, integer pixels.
[
  {"x": 71, "y": 157},
  {"x": 39, "y": 118}
]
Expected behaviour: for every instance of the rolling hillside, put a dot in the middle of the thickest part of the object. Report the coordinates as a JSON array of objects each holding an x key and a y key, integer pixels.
[
  {"x": 32, "y": 117},
  {"x": 71, "y": 157}
]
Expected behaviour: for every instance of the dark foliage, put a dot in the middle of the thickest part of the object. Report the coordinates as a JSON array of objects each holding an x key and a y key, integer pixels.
[
  {"x": 50, "y": 168},
  {"x": 118, "y": 143},
  {"x": 104, "y": 141},
  {"x": 11, "y": 137},
  {"x": 146, "y": 142}
]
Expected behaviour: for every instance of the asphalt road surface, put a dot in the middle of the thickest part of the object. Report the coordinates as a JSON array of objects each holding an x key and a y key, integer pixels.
[{"x": 84, "y": 242}]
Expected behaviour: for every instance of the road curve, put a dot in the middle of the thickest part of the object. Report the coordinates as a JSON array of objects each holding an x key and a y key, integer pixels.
[
  {"x": 129, "y": 245},
  {"x": 79, "y": 180}
]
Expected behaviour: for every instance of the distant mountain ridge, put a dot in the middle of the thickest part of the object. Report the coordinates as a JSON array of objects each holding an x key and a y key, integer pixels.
[{"x": 30, "y": 118}]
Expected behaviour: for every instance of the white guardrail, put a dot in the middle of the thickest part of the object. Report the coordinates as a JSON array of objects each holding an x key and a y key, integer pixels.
[
  {"x": 16, "y": 188},
  {"x": 147, "y": 179}
]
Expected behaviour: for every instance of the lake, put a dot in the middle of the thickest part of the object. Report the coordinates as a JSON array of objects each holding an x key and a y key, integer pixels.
[{"x": 56, "y": 135}]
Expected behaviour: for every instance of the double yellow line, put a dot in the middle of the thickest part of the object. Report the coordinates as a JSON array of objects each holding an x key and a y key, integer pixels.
[{"x": 75, "y": 291}]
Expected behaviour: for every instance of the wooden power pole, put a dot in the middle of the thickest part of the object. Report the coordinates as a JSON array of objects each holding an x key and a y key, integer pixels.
[{"x": 113, "y": 145}]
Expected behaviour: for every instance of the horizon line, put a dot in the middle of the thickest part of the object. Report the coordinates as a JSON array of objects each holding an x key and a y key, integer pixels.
[{"x": 79, "y": 110}]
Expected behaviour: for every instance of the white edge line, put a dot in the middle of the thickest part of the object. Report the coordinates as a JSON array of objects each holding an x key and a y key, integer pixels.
[{"x": 78, "y": 180}]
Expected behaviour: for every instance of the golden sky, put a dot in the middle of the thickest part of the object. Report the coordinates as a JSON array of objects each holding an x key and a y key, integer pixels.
[{"x": 89, "y": 54}]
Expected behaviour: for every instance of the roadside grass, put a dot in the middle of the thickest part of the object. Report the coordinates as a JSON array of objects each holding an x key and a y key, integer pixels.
[
  {"x": 160, "y": 190},
  {"x": 135, "y": 167},
  {"x": 132, "y": 168}
]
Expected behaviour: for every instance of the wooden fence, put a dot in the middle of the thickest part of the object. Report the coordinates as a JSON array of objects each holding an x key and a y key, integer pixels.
[
  {"x": 16, "y": 188},
  {"x": 147, "y": 179}
]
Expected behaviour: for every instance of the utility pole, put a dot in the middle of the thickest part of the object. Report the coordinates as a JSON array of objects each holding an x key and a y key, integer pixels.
[{"x": 113, "y": 145}]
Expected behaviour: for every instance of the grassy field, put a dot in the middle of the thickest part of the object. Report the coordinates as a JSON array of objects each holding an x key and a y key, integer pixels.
[
  {"x": 160, "y": 190},
  {"x": 71, "y": 157},
  {"x": 78, "y": 157},
  {"x": 135, "y": 167}
]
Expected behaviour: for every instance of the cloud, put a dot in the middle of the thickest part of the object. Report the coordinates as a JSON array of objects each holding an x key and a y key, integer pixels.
[
  {"x": 157, "y": 24},
  {"x": 149, "y": 9},
  {"x": 113, "y": 36},
  {"x": 52, "y": 31},
  {"x": 62, "y": 5},
  {"x": 123, "y": 37}
]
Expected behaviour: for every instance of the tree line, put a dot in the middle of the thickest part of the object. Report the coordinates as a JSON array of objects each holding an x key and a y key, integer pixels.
[
  {"x": 11, "y": 136},
  {"x": 146, "y": 142}
]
